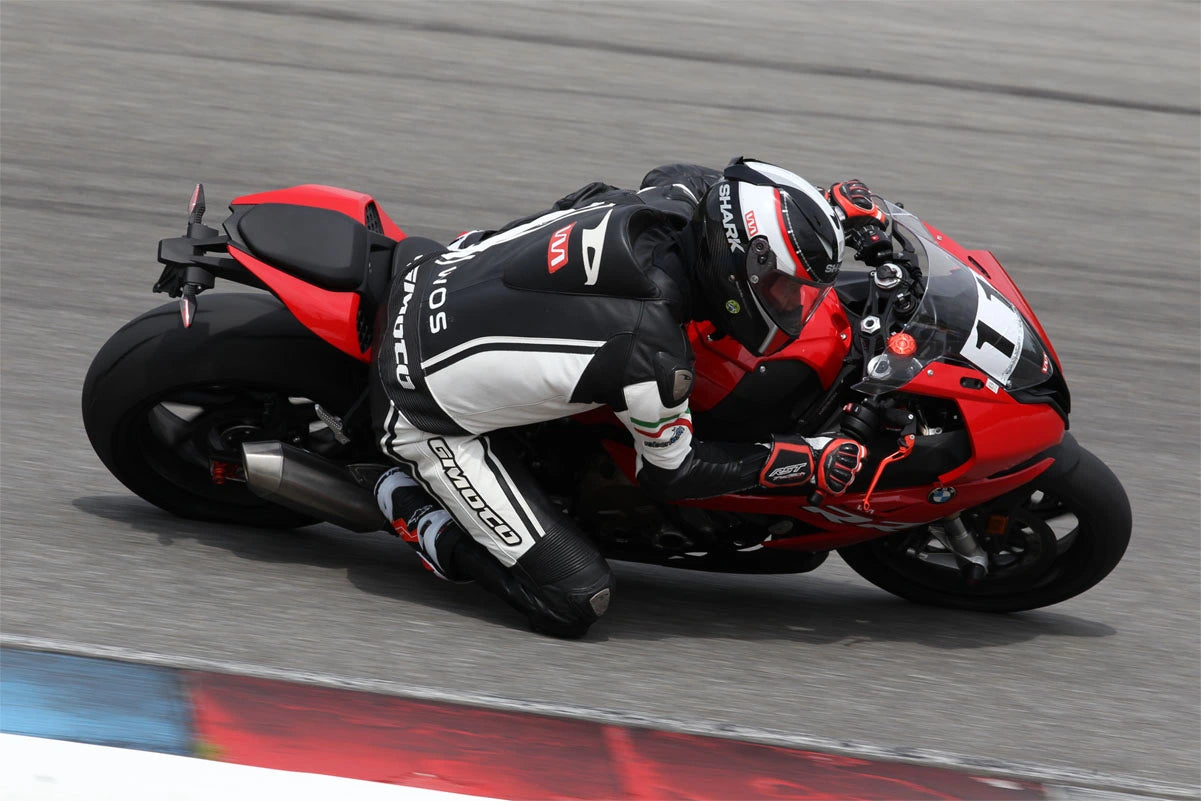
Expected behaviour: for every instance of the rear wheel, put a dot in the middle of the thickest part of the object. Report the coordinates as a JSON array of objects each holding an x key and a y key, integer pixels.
[
  {"x": 167, "y": 408},
  {"x": 1050, "y": 541}
]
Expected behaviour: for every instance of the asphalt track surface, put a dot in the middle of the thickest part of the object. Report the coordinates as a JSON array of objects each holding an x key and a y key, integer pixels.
[{"x": 1065, "y": 137}]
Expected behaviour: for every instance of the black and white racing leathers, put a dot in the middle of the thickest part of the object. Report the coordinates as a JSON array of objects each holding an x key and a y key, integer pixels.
[{"x": 576, "y": 308}]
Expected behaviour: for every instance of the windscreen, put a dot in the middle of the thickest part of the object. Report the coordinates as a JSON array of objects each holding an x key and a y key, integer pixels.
[{"x": 960, "y": 317}]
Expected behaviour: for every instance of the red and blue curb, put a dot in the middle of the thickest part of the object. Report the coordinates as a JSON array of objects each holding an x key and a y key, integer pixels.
[{"x": 433, "y": 744}]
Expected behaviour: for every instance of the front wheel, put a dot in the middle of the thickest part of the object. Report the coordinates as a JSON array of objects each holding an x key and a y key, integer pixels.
[
  {"x": 1050, "y": 541},
  {"x": 167, "y": 408}
]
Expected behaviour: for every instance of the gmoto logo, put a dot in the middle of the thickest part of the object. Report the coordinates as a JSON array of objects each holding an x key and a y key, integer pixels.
[
  {"x": 556, "y": 251},
  {"x": 458, "y": 479}
]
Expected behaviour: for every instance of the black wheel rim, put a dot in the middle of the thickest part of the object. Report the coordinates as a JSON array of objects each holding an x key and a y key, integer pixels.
[{"x": 1034, "y": 540}]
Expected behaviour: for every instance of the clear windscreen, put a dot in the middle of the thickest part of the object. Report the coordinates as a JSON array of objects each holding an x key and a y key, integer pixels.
[{"x": 960, "y": 317}]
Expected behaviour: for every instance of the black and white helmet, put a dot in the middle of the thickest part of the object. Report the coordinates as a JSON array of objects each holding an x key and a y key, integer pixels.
[{"x": 769, "y": 248}]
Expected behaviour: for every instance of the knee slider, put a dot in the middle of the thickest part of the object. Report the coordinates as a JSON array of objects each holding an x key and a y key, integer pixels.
[{"x": 569, "y": 574}]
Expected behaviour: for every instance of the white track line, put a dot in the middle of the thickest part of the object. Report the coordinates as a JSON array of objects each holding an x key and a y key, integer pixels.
[
  {"x": 916, "y": 756},
  {"x": 37, "y": 769}
]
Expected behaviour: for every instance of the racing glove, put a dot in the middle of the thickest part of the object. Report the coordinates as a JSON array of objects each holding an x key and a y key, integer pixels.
[
  {"x": 857, "y": 205},
  {"x": 831, "y": 462}
]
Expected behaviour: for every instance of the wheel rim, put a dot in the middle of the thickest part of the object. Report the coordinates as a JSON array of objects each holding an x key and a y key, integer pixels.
[{"x": 1031, "y": 542}]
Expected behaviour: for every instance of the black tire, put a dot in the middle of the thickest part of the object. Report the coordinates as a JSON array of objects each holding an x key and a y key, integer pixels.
[
  {"x": 241, "y": 356},
  {"x": 1034, "y": 564}
]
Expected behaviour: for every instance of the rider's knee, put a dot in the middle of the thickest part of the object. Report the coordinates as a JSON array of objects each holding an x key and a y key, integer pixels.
[{"x": 572, "y": 579}]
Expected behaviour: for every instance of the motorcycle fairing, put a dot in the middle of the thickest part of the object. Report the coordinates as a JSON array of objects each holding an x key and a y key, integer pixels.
[
  {"x": 843, "y": 522},
  {"x": 333, "y": 316},
  {"x": 986, "y": 264},
  {"x": 721, "y": 363},
  {"x": 990, "y": 420}
]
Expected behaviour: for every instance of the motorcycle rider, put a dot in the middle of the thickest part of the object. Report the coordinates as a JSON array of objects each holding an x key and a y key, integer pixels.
[{"x": 584, "y": 306}]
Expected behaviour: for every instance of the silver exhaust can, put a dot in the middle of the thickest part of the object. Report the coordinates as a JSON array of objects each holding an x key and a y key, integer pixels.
[{"x": 312, "y": 485}]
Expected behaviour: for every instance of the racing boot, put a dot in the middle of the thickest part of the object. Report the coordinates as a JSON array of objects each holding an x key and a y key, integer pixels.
[{"x": 416, "y": 519}]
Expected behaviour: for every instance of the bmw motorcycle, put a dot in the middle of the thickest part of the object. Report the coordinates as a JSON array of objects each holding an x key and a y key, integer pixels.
[{"x": 251, "y": 408}]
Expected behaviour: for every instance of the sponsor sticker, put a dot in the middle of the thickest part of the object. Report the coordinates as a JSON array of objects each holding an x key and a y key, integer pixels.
[
  {"x": 733, "y": 307},
  {"x": 676, "y": 433},
  {"x": 752, "y": 227},
  {"x": 556, "y": 251}
]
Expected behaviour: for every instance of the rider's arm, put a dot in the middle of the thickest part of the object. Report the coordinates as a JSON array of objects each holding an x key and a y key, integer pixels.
[
  {"x": 677, "y": 188},
  {"x": 692, "y": 178},
  {"x": 672, "y": 464}
]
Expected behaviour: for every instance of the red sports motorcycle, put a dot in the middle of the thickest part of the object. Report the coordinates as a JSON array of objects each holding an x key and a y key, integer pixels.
[{"x": 251, "y": 408}]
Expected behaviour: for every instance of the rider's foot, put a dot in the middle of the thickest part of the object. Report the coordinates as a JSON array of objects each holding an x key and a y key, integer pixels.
[{"x": 414, "y": 517}]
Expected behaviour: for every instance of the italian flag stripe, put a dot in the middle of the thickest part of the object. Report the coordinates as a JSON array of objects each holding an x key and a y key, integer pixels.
[
  {"x": 679, "y": 421},
  {"x": 661, "y": 420}
]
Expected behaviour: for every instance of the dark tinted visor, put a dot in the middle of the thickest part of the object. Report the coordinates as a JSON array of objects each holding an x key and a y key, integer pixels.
[{"x": 788, "y": 300}]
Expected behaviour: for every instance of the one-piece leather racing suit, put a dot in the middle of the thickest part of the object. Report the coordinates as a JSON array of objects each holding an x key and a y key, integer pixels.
[{"x": 578, "y": 307}]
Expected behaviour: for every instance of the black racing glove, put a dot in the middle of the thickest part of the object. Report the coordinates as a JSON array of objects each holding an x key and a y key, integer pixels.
[
  {"x": 831, "y": 462},
  {"x": 789, "y": 464},
  {"x": 839, "y": 460}
]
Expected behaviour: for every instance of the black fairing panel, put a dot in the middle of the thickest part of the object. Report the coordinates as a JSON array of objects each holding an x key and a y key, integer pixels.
[
  {"x": 326, "y": 248},
  {"x": 764, "y": 403}
]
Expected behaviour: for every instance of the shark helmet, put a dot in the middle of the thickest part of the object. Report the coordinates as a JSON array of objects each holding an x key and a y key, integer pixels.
[{"x": 768, "y": 249}]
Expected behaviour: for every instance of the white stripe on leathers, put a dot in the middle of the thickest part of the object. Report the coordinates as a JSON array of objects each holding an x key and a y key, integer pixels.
[{"x": 503, "y": 388}]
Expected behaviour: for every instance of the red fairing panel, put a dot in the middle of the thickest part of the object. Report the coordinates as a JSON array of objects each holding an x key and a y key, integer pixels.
[
  {"x": 1003, "y": 431},
  {"x": 843, "y": 520},
  {"x": 721, "y": 363},
  {"x": 987, "y": 265},
  {"x": 352, "y": 204},
  {"x": 330, "y": 315},
  {"x": 846, "y": 523}
]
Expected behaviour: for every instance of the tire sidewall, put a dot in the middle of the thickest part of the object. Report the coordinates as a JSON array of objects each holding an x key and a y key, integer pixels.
[
  {"x": 1102, "y": 509},
  {"x": 236, "y": 339}
]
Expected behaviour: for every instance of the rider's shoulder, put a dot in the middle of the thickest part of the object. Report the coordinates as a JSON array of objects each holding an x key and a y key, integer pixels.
[{"x": 604, "y": 248}]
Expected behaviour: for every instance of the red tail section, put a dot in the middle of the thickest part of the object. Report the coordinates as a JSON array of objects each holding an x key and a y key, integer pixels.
[{"x": 332, "y": 315}]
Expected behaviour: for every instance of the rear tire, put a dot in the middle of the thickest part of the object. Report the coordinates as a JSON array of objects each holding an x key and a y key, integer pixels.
[
  {"x": 163, "y": 404},
  {"x": 1035, "y": 564}
]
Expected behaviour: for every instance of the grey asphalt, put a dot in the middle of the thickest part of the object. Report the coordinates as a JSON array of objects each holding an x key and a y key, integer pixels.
[{"x": 1065, "y": 137}]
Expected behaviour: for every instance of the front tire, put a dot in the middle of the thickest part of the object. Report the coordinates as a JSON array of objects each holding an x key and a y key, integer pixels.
[
  {"x": 166, "y": 407},
  {"x": 1052, "y": 540}
]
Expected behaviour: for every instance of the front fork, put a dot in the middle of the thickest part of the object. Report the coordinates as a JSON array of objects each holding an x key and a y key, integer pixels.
[
  {"x": 954, "y": 536},
  {"x": 857, "y": 421}
]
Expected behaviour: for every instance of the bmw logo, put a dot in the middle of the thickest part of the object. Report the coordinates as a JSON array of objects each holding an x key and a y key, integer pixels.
[{"x": 941, "y": 494}]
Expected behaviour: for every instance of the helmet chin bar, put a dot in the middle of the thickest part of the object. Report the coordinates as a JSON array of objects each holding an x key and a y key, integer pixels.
[{"x": 772, "y": 328}]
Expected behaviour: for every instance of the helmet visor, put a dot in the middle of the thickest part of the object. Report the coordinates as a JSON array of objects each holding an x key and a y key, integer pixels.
[{"x": 788, "y": 301}]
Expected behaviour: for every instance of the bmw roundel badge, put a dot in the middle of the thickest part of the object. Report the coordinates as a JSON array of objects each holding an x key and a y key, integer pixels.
[{"x": 941, "y": 494}]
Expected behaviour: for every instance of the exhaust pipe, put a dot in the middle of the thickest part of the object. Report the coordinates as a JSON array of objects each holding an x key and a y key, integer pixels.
[{"x": 307, "y": 483}]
